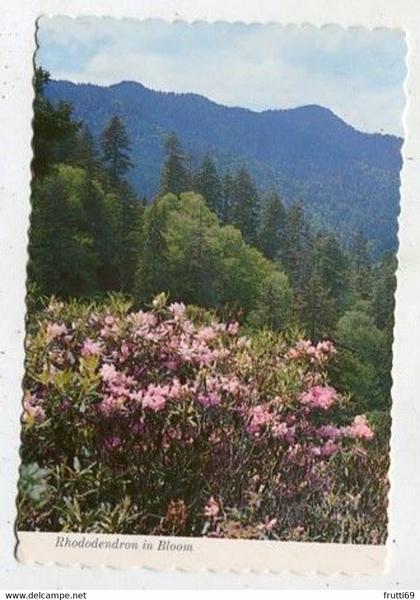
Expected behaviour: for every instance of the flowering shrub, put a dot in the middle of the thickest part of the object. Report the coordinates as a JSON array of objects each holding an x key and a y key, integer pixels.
[{"x": 157, "y": 422}]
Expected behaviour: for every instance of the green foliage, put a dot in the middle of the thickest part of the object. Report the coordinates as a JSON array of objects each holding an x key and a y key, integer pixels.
[
  {"x": 361, "y": 251},
  {"x": 363, "y": 365},
  {"x": 174, "y": 176},
  {"x": 217, "y": 251},
  {"x": 115, "y": 149},
  {"x": 79, "y": 235},
  {"x": 226, "y": 202},
  {"x": 63, "y": 258},
  {"x": 84, "y": 153},
  {"x": 295, "y": 251},
  {"x": 323, "y": 293},
  {"x": 85, "y": 222},
  {"x": 245, "y": 209},
  {"x": 208, "y": 184},
  {"x": 273, "y": 227},
  {"x": 187, "y": 254},
  {"x": 273, "y": 306},
  {"x": 54, "y": 132},
  {"x": 150, "y": 423}
]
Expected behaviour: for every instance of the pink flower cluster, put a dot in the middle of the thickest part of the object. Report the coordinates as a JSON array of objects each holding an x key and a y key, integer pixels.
[
  {"x": 304, "y": 349},
  {"x": 319, "y": 396},
  {"x": 33, "y": 411},
  {"x": 168, "y": 393}
]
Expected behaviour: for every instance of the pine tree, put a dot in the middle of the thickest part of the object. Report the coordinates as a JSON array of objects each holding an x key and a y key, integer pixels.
[
  {"x": 362, "y": 276},
  {"x": 245, "y": 208},
  {"x": 84, "y": 154},
  {"x": 200, "y": 263},
  {"x": 207, "y": 183},
  {"x": 227, "y": 198},
  {"x": 295, "y": 250},
  {"x": 273, "y": 223},
  {"x": 174, "y": 177},
  {"x": 63, "y": 257},
  {"x": 317, "y": 307},
  {"x": 151, "y": 275},
  {"x": 131, "y": 223},
  {"x": 54, "y": 130},
  {"x": 384, "y": 293},
  {"x": 115, "y": 149}
]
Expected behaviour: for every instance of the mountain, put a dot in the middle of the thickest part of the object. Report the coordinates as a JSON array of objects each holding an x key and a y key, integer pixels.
[{"x": 346, "y": 179}]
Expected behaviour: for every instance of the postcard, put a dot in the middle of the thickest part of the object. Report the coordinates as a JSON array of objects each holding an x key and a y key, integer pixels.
[{"x": 210, "y": 295}]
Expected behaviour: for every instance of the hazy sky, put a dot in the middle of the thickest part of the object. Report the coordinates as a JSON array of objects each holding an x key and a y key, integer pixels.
[{"x": 357, "y": 73}]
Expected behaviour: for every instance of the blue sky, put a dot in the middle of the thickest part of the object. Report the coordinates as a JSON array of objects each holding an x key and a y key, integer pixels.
[{"x": 357, "y": 73}]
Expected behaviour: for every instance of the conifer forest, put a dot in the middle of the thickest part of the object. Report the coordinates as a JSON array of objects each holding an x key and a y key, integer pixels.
[{"x": 208, "y": 360}]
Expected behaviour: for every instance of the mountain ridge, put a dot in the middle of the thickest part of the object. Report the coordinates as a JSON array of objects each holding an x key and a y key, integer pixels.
[
  {"x": 346, "y": 179},
  {"x": 138, "y": 84}
]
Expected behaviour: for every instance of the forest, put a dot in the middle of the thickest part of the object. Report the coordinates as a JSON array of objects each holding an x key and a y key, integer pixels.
[{"x": 260, "y": 322}]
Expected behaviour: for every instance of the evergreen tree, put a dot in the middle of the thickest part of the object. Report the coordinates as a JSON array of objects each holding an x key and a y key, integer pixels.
[
  {"x": 54, "y": 131},
  {"x": 324, "y": 290},
  {"x": 296, "y": 247},
  {"x": 317, "y": 307},
  {"x": 63, "y": 257},
  {"x": 131, "y": 237},
  {"x": 84, "y": 154},
  {"x": 362, "y": 281},
  {"x": 227, "y": 198},
  {"x": 333, "y": 266},
  {"x": 174, "y": 177},
  {"x": 363, "y": 365},
  {"x": 207, "y": 183},
  {"x": 152, "y": 274},
  {"x": 272, "y": 231},
  {"x": 245, "y": 208},
  {"x": 384, "y": 293},
  {"x": 115, "y": 146},
  {"x": 273, "y": 307}
]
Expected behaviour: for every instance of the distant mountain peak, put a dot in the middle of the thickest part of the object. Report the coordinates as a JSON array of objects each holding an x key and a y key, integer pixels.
[{"x": 346, "y": 179}]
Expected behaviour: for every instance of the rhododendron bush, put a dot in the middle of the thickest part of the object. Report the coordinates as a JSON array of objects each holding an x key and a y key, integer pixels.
[{"x": 170, "y": 421}]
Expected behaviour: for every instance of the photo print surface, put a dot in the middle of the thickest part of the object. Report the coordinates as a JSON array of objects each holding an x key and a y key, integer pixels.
[{"x": 211, "y": 277}]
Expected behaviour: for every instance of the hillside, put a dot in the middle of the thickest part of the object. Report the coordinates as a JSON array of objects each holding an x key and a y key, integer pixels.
[{"x": 346, "y": 179}]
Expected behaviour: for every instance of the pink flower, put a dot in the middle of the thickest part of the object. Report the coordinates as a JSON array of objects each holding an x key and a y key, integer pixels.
[
  {"x": 178, "y": 310},
  {"x": 318, "y": 353},
  {"x": 328, "y": 449},
  {"x": 172, "y": 365},
  {"x": 233, "y": 328},
  {"x": 326, "y": 347},
  {"x": 232, "y": 386},
  {"x": 65, "y": 405},
  {"x": 206, "y": 333},
  {"x": 209, "y": 399},
  {"x": 360, "y": 429},
  {"x": 155, "y": 397},
  {"x": 111, "y": 405},
  {"x": 137, "y": 427},
  {"x": 112, "y": 442},
  {"x": 34, "y": 413},
  {"x": 91, "y": 348},
  {"x": 279, "y": 430},
  {"x": 212, "y": 508},
  {"x": 108, "y": 373},
  {"x": 175, "y": 391},
  {"x": 260, "y": 416},
  {"x": 55, "y": 330},
  {"x": 329, "y": 431},
  {"x": 125, "y": 352},
  {"x": 319, "y": 396},
  {"x": 268, "y": 524}
]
